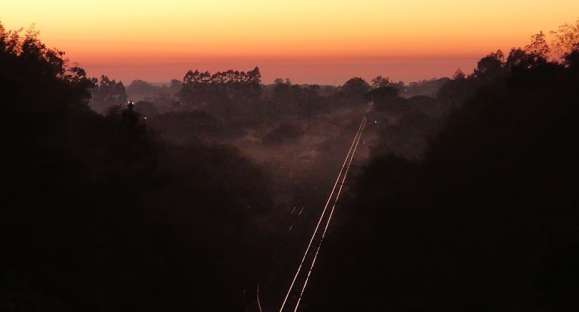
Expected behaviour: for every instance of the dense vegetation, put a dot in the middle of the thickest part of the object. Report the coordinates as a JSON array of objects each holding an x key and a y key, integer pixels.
[
  {"x": 185, "y": 196},
  {"x": 102, "y": 215},
  {"x": 486, "y": 218}
]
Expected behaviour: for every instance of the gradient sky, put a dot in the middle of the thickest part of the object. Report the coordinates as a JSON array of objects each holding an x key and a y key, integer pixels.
[{"x": 321, "y": 41}]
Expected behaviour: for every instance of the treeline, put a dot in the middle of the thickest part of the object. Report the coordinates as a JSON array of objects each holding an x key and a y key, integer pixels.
[
  {"x": 100, "y": 214},
  {"x": 239, "y": 101},
  {"x": 486, "y": 219}
]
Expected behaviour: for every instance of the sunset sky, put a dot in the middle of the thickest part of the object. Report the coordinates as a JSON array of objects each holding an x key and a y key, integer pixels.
[{"x": 321, "y": 41}]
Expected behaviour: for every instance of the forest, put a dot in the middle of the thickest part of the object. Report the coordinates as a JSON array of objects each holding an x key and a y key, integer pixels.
[{"x": 189, "y": 195}]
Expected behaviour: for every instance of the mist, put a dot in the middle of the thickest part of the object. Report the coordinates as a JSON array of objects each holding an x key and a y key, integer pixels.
[{"x": 237, "y": 190}]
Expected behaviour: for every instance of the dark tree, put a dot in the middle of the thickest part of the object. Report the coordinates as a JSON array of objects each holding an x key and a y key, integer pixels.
[
  {"x": 355, "y": 88},
  {"x": 486, "y": 220},
  {"x": 107, "y": 93},
  {"x": 100, "y": 214}
]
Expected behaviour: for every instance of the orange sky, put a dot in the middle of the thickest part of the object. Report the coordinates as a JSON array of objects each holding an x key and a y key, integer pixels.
[{"x": 323, "y": 41}]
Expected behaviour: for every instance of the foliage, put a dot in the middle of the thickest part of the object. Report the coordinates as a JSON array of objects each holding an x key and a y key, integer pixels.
[
  {"x": 106, "y": 94},
  {"x": 102, "y": 215},
  {"x": 218, "y": 90},
  {"x": 355, "y": 88},
  {"x": 486, "y": 220},
  {"x": 566, "y": 39}
]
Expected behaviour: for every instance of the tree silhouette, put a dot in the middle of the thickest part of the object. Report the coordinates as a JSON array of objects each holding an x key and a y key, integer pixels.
[
  {"x": 221, "y": 93},
  {"x": 538, "y": 46},
  {"x": 355, "y": 88},
  {"x": 566, "y": 39},
  {"x": 107, "y": 93},
  {"x": 486, "y": 219},
  {"x": 100, "y": 213}
]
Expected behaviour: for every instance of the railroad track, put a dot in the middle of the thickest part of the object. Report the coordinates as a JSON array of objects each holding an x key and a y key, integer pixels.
[{"x": 293, "y": 296}]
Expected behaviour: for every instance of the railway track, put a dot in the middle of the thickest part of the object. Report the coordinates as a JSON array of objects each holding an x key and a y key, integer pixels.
[{"x": 294, "y": 294}]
